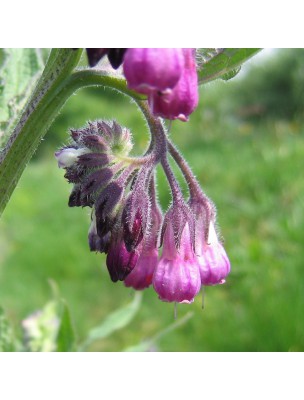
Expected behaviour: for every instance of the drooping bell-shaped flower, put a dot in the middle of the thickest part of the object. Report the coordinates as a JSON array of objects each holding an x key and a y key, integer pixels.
[
  {"x": 148, "y": 70},
  {"x": 214, "y": 265},
  {"x": 141, "y": 276},
  {"x": 183, "y": 99},
  {"x": 177, "y": 277}
]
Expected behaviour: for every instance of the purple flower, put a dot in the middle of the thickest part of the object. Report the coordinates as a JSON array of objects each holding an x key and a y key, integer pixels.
[
  {"x": 176, "y": 277},
  {"x": 150, "y": 70},
  {"x": 97, "y": 243},
  {"x": 141, "y": 276},
  {"x": 183, "y": 99},
  {"x": 213, "y": 261},
  {"x": 120, "y": 261}
]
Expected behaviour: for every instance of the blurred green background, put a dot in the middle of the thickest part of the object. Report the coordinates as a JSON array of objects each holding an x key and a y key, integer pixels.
[{"x": 245, "y": 144}]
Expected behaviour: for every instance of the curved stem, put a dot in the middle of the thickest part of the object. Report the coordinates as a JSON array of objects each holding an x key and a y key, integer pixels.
[
  {"x": 177, "y": 195},
  {"x": 193, "y": 185},
  {"x": 55, "y": 86},
  {"x": 161, "y": 148}
]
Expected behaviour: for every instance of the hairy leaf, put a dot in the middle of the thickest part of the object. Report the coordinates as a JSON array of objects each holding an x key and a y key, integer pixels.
[
  {"x": 19, "y": 71},
  {"x": 221, "y": 63}
]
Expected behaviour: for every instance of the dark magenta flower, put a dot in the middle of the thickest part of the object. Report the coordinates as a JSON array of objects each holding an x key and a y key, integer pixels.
[
  {"x": 141, "y": 276},
  {"x": 120, "y": 261},
  {"x": 149, "y": 70},
  {"x": 213, "y": 261},
  {"x": 183, "y": 99},
  {"x": 177, "y": 277}
]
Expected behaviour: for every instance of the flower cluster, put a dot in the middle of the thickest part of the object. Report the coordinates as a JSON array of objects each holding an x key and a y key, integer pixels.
[
  {"x": 167, "y": 76},
  {"x": 127, "y": 223}
]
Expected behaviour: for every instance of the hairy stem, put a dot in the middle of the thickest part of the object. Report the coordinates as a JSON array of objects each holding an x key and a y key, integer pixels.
[
  {"x": 160, "y": 144},
  {"x": 193, "y": 185},
  {"x": 55, "y": 86}
]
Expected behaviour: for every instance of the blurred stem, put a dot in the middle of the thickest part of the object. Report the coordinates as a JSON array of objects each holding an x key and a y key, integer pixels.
[{"x": 57, "y": 83}]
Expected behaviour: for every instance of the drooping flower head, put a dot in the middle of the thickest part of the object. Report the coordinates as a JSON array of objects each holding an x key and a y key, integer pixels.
[{"x": 168, "y": 76}]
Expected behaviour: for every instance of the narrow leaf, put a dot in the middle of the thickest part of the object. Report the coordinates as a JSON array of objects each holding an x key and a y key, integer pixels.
[
  {"x": 66, "y": 335},
  {"x": 216, "y": 63},
  {"x": 148, "y": 344},
  {"x": 115, "y": 321}
]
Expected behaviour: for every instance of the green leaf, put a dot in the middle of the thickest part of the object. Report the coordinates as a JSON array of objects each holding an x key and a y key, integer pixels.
[
  {"x": 149, "y": 344},
  {"x": 7, "y": 341},
  {"x": 19, "y": 72},
  {"x": 66, "y": 335},
  {"x": 217, "y": 63},
  {"x": 231, "y": 74},
  {"x": 115, "y": 321}
]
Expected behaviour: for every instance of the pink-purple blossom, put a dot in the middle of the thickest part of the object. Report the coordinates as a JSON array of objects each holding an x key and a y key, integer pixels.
[
  {"x": 148, "y": 70},
  {"x": 176, "y": 277},
  {"x": 183, "y": 99},
  {"x": 141, "y": 276},
  {"x": 214, "y": 265}
]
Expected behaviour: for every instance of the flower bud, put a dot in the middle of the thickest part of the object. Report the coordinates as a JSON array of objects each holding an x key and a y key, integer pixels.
[
  {"x": 116, "y": 57},
  {"x": 106, "y": 204},
  {"x": 95, "y": 55},
  {"x": 136, "y": 215},
  {"x": 120, "y": 261},
  {"x": 97, "y": 243},
  {"x": 149, "y": 69},
  {"x": 68, "y": 156}
]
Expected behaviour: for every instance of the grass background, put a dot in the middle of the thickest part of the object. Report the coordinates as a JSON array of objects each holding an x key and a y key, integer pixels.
[{"x": 245, "y": 145}]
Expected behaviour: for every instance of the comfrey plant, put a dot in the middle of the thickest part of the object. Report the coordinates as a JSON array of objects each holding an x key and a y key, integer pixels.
[
  {"x": 126, "y": 221},
  {"x": 178, "y": 252}
]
